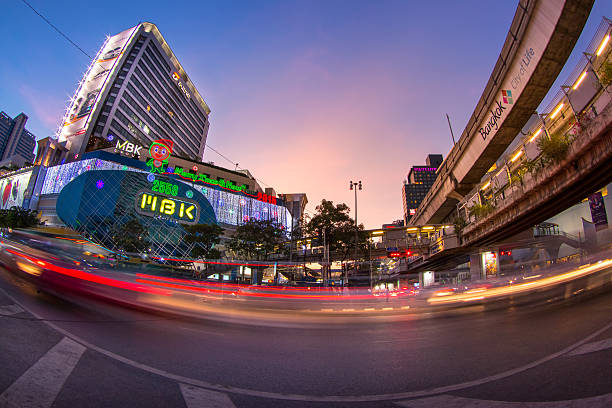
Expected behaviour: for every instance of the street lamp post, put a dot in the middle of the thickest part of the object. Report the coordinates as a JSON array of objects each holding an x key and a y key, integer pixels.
[{"x": 355, "y": 185}]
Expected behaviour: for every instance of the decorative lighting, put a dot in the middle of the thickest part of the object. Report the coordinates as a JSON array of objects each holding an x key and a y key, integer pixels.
[
  {"x": 556, "y": 112},
  {"x": 150, "y": 177},
  {"x": 536, "y": 134},
  {"x": 580, "y": 79},
  {"x": 99, "y": 184},
  {"x": 194, "y": 168},
  {"x": 189, "y": 194},
  {"x": 516, "y": 156},
  {"x": 486, "y": 185},
  {"x": 603, "y": 45}
]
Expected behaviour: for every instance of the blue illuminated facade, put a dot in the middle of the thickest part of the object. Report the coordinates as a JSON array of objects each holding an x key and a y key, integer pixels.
[{"x": 230, "y": 208}]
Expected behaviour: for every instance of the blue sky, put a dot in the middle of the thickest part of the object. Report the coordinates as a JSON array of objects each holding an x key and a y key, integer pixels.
[{"x": 305, "y": 94}]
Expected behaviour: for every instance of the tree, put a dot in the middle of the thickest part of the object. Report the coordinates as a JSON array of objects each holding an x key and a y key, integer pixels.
[
  {"x": 256, "y": 239},
  {"x": 130, "y": 236},
  {"x": 17, "y": 217},
  {"x": 339, "y": 228},
  {"x": 204, "y": 237}
]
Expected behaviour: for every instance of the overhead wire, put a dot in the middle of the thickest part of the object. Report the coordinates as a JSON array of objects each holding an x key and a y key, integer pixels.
[
  {"x": 56, "y": 29},
  {"x": 89, "y": 56}
]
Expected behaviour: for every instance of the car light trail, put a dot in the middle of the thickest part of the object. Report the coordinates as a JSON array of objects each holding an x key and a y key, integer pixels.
[
  {"x": 522, "y": 287},
  {"x": 89, "y": 277}
]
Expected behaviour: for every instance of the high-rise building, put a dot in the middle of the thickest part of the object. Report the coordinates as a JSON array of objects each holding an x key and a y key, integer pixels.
[
  {"x": 136, "y": 91},
  {"x": 417, "y": 184},
  {"x": 16, "y": 143}
]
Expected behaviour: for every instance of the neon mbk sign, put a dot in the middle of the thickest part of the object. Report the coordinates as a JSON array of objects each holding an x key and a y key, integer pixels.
[
  {"x": 157, "y": 205},
  {"x": 128, "y": 147}
]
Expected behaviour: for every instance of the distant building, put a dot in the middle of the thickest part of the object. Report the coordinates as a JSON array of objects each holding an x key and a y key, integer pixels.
[
  {"x": 394, "y": 224},
  {"x": 16, "y": 143},
  {"x": 296, "y": 204},
  {"x": 417, "y": 184}
]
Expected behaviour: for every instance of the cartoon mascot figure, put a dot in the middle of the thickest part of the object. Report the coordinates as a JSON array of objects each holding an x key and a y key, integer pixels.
[{"x": 159, "y": 151}]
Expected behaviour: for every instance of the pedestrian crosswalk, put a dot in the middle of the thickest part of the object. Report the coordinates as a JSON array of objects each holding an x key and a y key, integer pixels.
[
  {"x": 41, "y": 383},
  {"x": 10, "y": 310},
  {"x": 196, "y": 397}
]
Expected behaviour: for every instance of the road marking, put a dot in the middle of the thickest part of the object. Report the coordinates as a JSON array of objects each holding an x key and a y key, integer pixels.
[
  {"x": 592, "y": 347},
  {"x": 39, "y": 385},
  {"x": 601, "y": 401},
  {"x": 316, "y": 398},
  {"x": 196, "y": 397},
  {"x": 10, "y": 310}
]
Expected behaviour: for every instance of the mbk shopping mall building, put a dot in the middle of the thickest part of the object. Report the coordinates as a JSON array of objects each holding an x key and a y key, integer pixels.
[{"x": 131, "y": 147}]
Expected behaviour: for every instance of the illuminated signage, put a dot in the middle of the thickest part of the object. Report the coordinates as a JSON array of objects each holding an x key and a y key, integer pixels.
[
  {"x": 266, "y": 198},
  {"x": 165, "y": 188},
  {"x": 204, "y": 179},
  {"x": 183, "y": 88},
  {"x": 181, "y": 210},
  {"x": 159, "y": 151},
  {"x": 128, "y": 147}
]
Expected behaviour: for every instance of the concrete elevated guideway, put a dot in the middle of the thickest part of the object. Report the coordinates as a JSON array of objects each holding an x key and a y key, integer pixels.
[{"x": 541, "y": 38}]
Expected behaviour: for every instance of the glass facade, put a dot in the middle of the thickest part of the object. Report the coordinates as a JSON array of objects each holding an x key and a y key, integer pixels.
[{"x": 99, "y": 204}]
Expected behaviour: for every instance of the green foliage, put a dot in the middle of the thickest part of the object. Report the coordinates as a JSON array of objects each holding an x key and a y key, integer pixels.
[
  {"x": 17, "y": 217},
  {"x": 130, "y": 236},
  {"x": 205, "y": 237},
  {"x": 339, "y": 228},
  {"x": 459, "y": 223},
  {"x": 528, "y": 166},
  {"x": 481, "y": 210},
  {"x": 256, "y": 239},
  {"x": 605, "y": 73},
  {"x": 554, "y": 147}
]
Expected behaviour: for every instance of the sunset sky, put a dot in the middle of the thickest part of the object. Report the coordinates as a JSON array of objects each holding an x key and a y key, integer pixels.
[{"x": 307, "y": 95}]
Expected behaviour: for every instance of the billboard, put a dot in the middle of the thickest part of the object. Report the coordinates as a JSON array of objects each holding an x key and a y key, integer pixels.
[
  {"x": 598, "y": 211},
  {"x": 12, "y": 189},
  {"x": 87, "y": 95}
]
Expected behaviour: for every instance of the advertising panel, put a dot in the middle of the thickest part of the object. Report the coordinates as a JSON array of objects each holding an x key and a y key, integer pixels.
[
  {"x": 598, "y": 211},
  {"x": 84, "y": 101},
  {"x": 12, "y": 189}
]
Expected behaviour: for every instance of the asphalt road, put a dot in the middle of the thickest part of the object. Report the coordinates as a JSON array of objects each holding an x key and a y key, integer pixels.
[{"x": 129, "y": 358}]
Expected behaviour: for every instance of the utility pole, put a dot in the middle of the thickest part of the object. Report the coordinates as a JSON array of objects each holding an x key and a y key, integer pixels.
[{"x": 351, "y": 185}]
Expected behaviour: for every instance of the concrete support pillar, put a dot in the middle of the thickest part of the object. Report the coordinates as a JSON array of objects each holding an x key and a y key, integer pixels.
[{"x": 476, "y": 272}]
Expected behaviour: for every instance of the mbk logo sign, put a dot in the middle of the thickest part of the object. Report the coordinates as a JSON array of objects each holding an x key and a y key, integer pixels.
[{"x": 128, "y": 147}]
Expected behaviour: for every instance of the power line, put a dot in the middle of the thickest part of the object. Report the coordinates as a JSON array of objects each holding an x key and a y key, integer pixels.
[
  {"x": 88, "y": 56},
  {"x": 221, "y": 154},
  {"x": 56, "y": 29},
  {"x": 231, "y": 161}
]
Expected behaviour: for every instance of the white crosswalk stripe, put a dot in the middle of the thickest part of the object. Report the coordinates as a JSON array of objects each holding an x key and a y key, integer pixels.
[
  {"x": 592, "y": 347},
  {"x": 196, "y": 397},
  {"x": 41, "y": 383},
  {"x": 9, "y": 310},
  {"x": 450, "y": 401}
]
